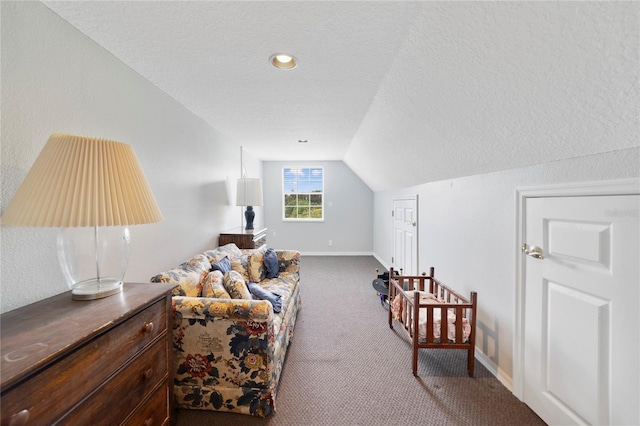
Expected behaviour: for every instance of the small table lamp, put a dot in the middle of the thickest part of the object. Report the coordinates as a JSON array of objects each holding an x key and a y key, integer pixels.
[
  {"x": 249, "y": 194},
  {"x": 82, "y": 184}
]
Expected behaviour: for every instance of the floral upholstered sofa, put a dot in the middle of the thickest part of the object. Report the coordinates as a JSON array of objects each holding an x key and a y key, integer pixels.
[{"x": 229, "y": 345}]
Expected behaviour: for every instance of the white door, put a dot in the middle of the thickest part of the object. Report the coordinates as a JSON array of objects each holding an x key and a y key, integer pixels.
[
  {"x": 581, "y": 349},
  {"x": 405, "y": 235}
]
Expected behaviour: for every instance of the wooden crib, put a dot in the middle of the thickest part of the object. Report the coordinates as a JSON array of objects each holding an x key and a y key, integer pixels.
[{"x": 417, "y": 312}]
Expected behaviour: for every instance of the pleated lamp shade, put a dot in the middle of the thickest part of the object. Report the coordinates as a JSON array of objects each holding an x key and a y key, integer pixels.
[
  {"x": 249, "y": 192},
  {"x": 79, "y": 181}
]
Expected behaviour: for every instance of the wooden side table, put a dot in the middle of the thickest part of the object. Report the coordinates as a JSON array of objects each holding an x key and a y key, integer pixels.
[
  {"x": 244, "y": 238},
  {"x": 98, "y": 362}
]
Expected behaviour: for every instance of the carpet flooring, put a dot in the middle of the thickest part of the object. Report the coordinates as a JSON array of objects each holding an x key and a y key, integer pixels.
[{"x": 345, "y": 366}]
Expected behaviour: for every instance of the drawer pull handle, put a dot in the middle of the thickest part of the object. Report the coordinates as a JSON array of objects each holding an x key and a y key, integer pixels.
[
  {"x": 148, "y": 373},
  {"x": 20, "y": 418},
  {"x": 148, "y": 422},
  {"x": 148, "y": 327}
]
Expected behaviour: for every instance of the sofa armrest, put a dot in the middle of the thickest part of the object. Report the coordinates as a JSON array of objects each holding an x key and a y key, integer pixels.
[
  {"x": 289, "y": 261},
  {"x": 231, "y": 309}
]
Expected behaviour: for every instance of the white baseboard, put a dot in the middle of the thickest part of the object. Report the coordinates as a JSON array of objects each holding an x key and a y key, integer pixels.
[
  {"x": 336, "y": 253},
  {"x": 499, "y": 374},
  {"x": 345, "y": 253}
]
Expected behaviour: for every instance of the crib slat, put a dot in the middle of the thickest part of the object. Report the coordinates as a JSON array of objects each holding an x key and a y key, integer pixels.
[
  {"x": 444, "y": 325},
  {"x": 429, "y": 334},
  {"x": 459, "y": 319}
]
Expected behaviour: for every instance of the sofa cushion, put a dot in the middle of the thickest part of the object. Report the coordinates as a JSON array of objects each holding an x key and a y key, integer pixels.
[
  {"x": 262, "y": 294},
  {"x": 285, "y": 285},
  {"x": 189, "y": 276},
  {"x": 213, "y": 286},
  {"x": 257, "y": 270},
  {"x": 229, "y": 250},
  {"x": 235, "y": 285}
]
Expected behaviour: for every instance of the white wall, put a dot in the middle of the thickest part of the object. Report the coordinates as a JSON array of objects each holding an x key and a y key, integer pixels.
[
  {"x": 467, "y": 231},
  {"x": 56, "y": 80},
  {"x": 348, "y": 220}
]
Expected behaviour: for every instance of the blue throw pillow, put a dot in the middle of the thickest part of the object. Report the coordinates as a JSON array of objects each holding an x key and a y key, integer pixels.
[
  {"x": 262, "y": 294},
  {"x": 223, "y": 265},
  {"x": 271, "y": 263}
]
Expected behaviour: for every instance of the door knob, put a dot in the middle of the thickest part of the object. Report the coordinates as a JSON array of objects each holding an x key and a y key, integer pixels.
[{"x": 533, "y": 251}]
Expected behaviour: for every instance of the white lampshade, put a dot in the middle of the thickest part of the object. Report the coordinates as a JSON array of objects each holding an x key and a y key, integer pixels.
[
  {"x": 80, "y": 184},
  {"x": 249, "y": 192},
  {"x": 82, "y": 181}
]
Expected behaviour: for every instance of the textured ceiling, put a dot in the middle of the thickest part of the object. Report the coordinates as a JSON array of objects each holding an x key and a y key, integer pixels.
[{"x": 449, "y": 88}]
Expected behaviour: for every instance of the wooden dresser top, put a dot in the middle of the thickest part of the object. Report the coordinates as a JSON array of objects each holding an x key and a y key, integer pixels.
[
  {"x": 33, "y": 336},
  {"x": 241, "y": 231}
]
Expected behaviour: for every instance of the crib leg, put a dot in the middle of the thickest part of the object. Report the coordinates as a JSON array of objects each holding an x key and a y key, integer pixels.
[{"x": 471, "y": 361}]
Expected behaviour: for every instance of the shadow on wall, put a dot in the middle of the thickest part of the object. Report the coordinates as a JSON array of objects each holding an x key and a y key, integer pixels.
[
  {"x": 212, "y": 198},
  {"x": 214, "y": 210},
  {"x": 489, "y": 339},
  {"x": 218, "y": 192}
]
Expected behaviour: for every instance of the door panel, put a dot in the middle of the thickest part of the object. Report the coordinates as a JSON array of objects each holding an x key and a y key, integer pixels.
[
  {"x": 580, "y": 241},
  {"x": 581, "y": 348},
  {"x": 577, "y": 356},
  {"x": 409, "y": 262}
]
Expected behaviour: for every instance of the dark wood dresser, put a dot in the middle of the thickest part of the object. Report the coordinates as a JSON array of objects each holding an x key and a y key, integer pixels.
[
  {"x": 244, "y": 238},
  {"x": 99, "y": 362}
]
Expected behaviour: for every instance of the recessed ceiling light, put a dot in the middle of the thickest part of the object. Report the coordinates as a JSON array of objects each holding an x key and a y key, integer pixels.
[{"x": 283, "y": 61}]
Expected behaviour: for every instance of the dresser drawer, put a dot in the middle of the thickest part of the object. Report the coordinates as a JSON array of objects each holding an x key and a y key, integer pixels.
[
  {"x": 62, "y": 385},
  {"x": 112, "y": 403},
  {"x": 154, "y": 411}
]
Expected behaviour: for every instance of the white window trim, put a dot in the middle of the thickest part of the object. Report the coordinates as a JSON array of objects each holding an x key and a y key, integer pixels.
[{"x": 282, "y": 205}]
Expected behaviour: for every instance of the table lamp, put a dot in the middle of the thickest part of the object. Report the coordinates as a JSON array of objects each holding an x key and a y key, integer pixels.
[
  {"x": 249, "y": 194},
  {"x": 92, "y": 189}
]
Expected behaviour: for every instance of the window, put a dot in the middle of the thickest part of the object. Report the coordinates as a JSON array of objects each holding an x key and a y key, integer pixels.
[{"x": 303, "y": 193}]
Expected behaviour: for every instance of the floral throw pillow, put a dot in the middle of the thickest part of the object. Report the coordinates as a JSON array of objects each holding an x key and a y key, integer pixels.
[
  {"x": 235, "y": 285},
  {"x": 241, "y": 265},
  {"x": 257, "y": 270},
  {"x": 189, "y": 275},
  {"x": 229, "y": 250},
  {"x": 213, "y": 286}
]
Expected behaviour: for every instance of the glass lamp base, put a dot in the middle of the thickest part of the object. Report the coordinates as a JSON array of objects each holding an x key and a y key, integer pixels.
[
  {"x": 93, "y": 260},
  {"x": 92, "y": 289}
]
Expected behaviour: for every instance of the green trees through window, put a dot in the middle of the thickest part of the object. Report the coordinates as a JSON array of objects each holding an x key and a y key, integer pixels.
[{"x": 303, "y": 193}]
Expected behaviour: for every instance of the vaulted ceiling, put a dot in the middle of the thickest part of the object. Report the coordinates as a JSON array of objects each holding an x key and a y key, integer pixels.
[{"x": 403, "y": 92}]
